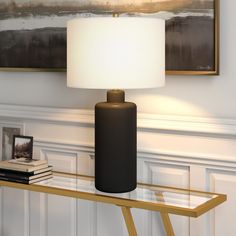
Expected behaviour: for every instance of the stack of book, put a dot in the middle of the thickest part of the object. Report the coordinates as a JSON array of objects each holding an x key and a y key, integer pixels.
[{"x": 24, "y": 170}]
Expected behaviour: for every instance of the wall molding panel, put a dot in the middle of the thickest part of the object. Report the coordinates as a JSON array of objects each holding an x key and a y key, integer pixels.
[
  {"x": 26, "y": 213},
  {"x": 167, "y": 175},
  {"x": 166, "y": 156},
  {"x": 222, "y": 181},
  {"x": 215, "y": 126}
]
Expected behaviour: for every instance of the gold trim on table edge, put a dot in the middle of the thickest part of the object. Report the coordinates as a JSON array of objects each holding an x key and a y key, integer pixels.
[{"x": 195, "y": 212}]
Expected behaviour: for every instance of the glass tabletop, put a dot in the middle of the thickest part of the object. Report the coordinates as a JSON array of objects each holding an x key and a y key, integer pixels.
[
  {"x": 143, "y": 193},
  {"x": 184, "y": 202}
]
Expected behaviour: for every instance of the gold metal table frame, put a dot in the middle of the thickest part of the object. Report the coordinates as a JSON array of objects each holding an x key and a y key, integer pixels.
[{"x": 166, "y": 200}]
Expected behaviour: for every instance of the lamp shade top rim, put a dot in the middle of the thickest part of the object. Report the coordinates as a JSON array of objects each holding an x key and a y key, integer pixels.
[{"x": 109, "y": 18}]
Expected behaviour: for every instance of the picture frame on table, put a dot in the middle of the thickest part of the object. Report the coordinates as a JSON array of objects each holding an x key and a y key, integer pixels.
[
  {"x": 33, "y": 33},
  {"x": 22, "y": 147}
]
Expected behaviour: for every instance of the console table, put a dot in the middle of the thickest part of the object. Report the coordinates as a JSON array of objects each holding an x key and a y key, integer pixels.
[{"x": 165, "y": 200}]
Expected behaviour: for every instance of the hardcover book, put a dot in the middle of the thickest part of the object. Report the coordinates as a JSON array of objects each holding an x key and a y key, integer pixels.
[
  {"x": 28, "y": 162},
  {"x": 19, "y": 167},
  {"x": 22, "y": 176},
  {"x": 25, "y": 181},
  {"x": 49, "y": 168}
]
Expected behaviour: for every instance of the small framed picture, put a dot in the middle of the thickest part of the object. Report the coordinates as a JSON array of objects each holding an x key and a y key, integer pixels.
[{"x": 22, "y": 147}]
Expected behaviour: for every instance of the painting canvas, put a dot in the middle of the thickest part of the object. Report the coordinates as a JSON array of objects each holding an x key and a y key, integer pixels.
[{"x": 33, "y": 32}]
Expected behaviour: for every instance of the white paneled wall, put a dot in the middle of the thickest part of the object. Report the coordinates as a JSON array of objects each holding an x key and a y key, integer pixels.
[
  {"x": 184, "y": 152},
  {"x": 222, "y": 219}
]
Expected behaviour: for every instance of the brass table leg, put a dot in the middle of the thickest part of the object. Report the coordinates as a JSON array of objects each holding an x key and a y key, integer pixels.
[
  {"x": 165, "y": 217},
  {"x": 167, "y": 224},
  {"x": 129, "y": 221}
]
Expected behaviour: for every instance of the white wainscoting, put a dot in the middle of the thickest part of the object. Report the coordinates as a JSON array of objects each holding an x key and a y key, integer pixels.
[{"x": 188, "y": 152}]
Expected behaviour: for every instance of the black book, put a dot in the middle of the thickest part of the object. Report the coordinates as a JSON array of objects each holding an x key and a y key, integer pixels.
[
  {"x": 24, "y": 177},
  {"x": 22, "y": 173},
  {"x": 26, "y": 181}
]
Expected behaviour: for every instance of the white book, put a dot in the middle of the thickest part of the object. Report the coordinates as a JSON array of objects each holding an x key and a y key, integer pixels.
[
  {"x": 40, "y": 179},
  {"x": 28, "y": 162},
  {"x": 19, "y": 167},
  {"x": 36, "y": 172}
]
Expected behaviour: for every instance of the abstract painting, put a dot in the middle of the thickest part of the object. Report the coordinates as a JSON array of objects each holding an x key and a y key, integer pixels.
[{"x": 33, "y": 32}]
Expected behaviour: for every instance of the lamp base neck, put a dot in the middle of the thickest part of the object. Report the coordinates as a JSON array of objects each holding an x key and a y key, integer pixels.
[{"x": 115, "y": 96}]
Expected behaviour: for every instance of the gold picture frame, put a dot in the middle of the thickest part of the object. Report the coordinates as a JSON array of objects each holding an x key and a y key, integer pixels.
[{"x": 216, "y": 70}]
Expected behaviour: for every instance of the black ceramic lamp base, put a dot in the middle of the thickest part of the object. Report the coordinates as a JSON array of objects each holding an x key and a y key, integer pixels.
[{"x": 115, "y": 144}]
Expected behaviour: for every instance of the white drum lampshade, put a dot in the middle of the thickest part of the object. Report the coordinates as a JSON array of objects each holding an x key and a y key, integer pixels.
[{"x": 116, "y": 53}]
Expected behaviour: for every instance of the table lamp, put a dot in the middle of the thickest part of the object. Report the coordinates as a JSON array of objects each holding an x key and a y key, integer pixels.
[{"x": 115, "y": 53}]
